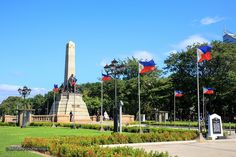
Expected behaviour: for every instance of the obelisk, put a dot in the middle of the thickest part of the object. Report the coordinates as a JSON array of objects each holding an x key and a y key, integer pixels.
[
  {"x": 69, "y": 62},
  {"x": 68, "y": 102}
]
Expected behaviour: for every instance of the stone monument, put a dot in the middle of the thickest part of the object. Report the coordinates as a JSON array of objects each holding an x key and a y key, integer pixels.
[
  {"x": 214, "y": 126},
  {"x": 69, "y": 102}
]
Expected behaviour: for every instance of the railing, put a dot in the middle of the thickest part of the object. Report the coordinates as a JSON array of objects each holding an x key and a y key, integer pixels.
[
  {"x": 9, "y": 118},
  {"x": 41, "y": 118}
]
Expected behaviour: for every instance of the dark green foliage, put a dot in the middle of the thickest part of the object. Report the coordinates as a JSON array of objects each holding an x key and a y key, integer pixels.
[{"x": 218, "y": 73}]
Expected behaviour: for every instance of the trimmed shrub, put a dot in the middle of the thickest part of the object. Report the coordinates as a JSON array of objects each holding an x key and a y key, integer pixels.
[
  {"x": 88, "y": 146},
  {"x": 7, "y": 124}
]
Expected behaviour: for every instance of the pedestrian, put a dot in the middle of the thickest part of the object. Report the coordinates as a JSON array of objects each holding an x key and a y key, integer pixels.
[{"x": 71, "y": 115}]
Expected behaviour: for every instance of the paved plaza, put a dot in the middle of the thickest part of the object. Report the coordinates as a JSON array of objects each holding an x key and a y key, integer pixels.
[
  {"x": 216, "y": 148},
  {"x": 224, "y": 148}
]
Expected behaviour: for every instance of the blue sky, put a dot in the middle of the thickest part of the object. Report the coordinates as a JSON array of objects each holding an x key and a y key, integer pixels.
[{"x": 33, "y": 35}]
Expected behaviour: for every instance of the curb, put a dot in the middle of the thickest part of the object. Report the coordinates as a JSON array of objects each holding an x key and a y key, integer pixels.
[
  {"x": 166, "y": 143},
  {"x": 147, "y": 144}
]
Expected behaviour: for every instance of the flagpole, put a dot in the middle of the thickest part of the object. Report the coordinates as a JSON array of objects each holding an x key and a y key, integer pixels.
[
  {"x": 198, "y": 101},
  {"x": 174, "y": 106},
  {"x": 53, "y": 109},
  {"x": 74, "y": 110},
  {"x": 203, "y": 105},
  {"x": 139, "y": 101},
  {"x": 101, "y": 118}
]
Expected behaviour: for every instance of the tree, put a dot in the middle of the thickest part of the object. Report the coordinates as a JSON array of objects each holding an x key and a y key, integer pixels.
[
  {"x": 10, "y": 105},
  {"x": 153, "y": 91},
  {"x": 218, "y": 73}
]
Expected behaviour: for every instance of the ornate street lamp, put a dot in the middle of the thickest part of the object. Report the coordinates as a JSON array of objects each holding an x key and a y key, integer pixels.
[
  {"x": 25, "y": 91},
  {"x": 115, "y": 70}
]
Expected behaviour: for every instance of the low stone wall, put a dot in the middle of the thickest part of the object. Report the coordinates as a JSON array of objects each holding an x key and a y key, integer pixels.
[
  {"x": 41, "y": 118},
  {"x": 94, "y": 118},
  {"x": 62, "y": 118},
  {"x": 126, "y": 119},
  {"x": 9, "y": 118}
]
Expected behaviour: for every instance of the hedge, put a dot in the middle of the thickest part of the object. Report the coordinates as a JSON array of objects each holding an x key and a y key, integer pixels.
[
  {"x": 84, "y": 145},
  {"x": 134, "y": 129},
  {"x": 7, "y": 124},
  {"x": 184, "y": 124}
]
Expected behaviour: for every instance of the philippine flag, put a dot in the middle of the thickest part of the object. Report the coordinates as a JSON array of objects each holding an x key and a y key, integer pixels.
[
  {"x": 178, "y": 93},
  {"x": 106, "y": 77},
  {"x": 208, "y": 90},
  {"x": 55, "y": 89},
  {"x": 203, "y": 53},
  {"x": 146, "y": 66}
]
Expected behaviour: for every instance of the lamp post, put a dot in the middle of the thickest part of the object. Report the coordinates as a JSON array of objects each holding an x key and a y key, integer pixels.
[
  {"x": 115, "y": 70},
  {"x": 121, "y": 104},
  {"x": 25, "y": 91},
  {"x": 74, "y": 109}
]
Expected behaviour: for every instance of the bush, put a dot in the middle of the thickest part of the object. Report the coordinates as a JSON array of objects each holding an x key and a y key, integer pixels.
[
  {"x": 59, "y": 149},
  {"x": 88, "y": 146},
  {"x": 7, "y": 124},
  {"x": 115, "y": 138}
]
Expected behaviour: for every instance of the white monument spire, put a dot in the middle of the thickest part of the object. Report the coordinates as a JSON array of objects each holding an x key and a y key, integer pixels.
[
  {"x": 70, "y": 61},
  {"x": 67, "y": 101}
]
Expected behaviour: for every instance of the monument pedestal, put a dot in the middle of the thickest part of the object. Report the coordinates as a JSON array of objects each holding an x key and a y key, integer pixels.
[{"x": 70, "y": 102}]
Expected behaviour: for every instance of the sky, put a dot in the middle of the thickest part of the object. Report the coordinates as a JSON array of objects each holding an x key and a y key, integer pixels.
[{"x": 33, "y": 35}]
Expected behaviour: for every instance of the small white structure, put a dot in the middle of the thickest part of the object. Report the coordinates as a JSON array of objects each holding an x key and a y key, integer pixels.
[
  {"x": 106, "y": 117},
  {"x": 143, "y": 119},
  {"x": 162, "y": 116},
  {"x": 214, "y": 126}
]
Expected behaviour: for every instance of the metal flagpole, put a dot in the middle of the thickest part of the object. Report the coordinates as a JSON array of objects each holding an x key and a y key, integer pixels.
[
  {"x": 198, "y": 101},
  {"x": 53, "y": 110},
  {"x": 101, "y": 117},
  {"x": 139, "y": 103},
  {"x": 74, "y": 108},
  {"x": 174, "y": 106},
  {"x": 203, "y": 105}
]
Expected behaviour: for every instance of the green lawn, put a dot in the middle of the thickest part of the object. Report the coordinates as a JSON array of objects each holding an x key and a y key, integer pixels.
[{"x": 15, "y": 135}]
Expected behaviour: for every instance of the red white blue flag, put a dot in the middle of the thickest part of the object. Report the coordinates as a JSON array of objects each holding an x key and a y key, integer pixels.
[
  {"x": 203, "y": 53},
  {"x": 106, "y": 77},
  {"x": 178, "y": 93},
  {"x": 208, "y": 90},
  {"x": 55, "y": 89},
  {"x": 146, "y": 66}
]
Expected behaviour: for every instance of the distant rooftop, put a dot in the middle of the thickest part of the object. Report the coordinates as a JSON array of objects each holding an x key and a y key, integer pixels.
[
  {"x": 230, "y": 34},
  {"x": 229, "y": 37}
]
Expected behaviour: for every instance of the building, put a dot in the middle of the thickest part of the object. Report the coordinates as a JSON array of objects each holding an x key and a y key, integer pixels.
[{"x": 229, "y": 37}]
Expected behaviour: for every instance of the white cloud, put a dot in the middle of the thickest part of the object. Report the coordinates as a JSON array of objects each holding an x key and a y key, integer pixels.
[
  {"x": 7, "y": 90},
  {"x": 104, "y": 62},
  {"x": 36, "y": 91},
  {"x": 211, "y": 20},
  {"x": 190, "y": 41},
  {"x": 171, "y": 52},
  {"x": 143, "y": 55}
]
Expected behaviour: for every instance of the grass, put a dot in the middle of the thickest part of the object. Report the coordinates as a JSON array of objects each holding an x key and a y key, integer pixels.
[{"x": 15, "y": 135}]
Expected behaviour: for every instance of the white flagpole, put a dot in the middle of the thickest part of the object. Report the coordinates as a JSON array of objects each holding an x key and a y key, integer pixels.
[
  {"x": 198, "y": 101},
  {"x": 174, "y": 106},
  {"x": 203, "y": 105},
  {"x": 139, "y": 103},
  {"x": 101, "y": 117}
]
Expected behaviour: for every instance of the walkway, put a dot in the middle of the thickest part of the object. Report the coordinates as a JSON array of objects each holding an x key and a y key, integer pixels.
[
  {"x": 216, "y": 148},
  {"x": 221, "y": 148}
]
